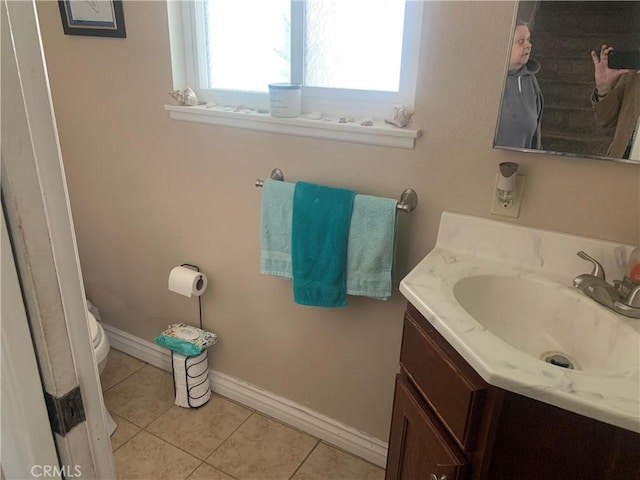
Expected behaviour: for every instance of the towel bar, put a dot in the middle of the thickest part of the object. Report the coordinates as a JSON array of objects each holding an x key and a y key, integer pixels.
[{"x": 408, "y": 197}]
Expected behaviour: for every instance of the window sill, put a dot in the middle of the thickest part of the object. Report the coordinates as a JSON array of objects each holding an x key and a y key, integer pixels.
[{"x": 379, "y": 133}]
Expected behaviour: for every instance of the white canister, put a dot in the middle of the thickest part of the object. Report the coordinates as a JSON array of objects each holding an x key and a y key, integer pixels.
[{"x": 285, "y": 99}]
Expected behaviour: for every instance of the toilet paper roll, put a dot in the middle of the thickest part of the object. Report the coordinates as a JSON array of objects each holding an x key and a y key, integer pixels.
[
  {"x": 187, "y": 282},
  {"x": 182, "y": 399},
  {"x": 191, "y": 380}
]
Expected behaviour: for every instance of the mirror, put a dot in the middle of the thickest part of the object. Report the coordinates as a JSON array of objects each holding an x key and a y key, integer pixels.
[{"x": 548, "y": 108}]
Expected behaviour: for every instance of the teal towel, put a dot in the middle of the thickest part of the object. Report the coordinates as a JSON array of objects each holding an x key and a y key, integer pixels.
[
  {"x": 275, "y": 228},
  {"x": 319, "y": 237},
  {"x": 371, "y": 252}
]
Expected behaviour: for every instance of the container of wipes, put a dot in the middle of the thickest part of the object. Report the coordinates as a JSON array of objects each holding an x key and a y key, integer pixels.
[
  {"x": 285, "y": 99},
  {"x": 186, "y": 340}
]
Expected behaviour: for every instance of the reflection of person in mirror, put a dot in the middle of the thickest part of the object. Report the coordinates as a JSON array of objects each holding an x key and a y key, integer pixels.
[
  {"x": 522, "y": 104},
  {"x": 616, "y": 102}
]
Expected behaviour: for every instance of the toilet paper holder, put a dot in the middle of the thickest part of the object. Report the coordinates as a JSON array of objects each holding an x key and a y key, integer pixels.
[
  {"x": 197, "y": 269},
  {"x": 190, "y": 390}
]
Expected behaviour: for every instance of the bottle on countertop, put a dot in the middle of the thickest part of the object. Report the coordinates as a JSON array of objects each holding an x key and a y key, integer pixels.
[
  {"x": 633, "y": 267},
  {"x": 632, "y": 275}
]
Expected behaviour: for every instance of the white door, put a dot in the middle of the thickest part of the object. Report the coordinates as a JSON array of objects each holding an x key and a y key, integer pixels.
[
  {"x": 27, "y": 442},
  {"x": 40, "y": 227}
]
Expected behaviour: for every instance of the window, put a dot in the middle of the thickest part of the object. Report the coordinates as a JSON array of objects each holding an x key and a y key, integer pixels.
[{"x": 354, "y": 58}]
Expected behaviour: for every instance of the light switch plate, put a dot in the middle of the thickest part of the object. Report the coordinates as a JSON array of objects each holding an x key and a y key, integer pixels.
[{"x": 514, "y": 210}]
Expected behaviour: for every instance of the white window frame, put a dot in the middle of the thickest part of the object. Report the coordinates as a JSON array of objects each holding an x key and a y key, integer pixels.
[{"x": 186, "y": 27}]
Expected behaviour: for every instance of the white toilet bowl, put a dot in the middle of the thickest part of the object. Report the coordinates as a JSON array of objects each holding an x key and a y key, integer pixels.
[{"x": 101, "y": 349}]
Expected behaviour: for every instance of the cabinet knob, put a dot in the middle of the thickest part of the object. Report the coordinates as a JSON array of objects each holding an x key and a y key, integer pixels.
[{"x": 433, "y": 476}]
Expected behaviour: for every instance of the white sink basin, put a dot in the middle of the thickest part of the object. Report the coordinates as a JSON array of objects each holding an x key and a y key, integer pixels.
[
  {"x": 544, "y": 319},
  {"x": 501, "y": 296}
]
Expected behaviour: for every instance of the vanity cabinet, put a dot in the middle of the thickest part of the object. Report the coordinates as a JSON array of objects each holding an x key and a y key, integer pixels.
[
  {"x": 449, "y": 424},
  {"x": 423, "y": 444}
]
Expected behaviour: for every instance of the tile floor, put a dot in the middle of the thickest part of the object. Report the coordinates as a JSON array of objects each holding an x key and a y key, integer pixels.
[{"x": 221, "y": 440}]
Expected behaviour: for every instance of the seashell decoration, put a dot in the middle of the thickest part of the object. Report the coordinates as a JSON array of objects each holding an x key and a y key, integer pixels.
[
  {"x": 185, "y": 97},
  {"x": 401, "y": 116}
]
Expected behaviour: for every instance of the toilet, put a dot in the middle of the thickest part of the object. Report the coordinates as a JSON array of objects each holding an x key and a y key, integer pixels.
[{"x": 101, "y": 348}]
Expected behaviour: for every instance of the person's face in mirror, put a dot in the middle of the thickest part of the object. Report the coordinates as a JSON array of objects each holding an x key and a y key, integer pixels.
[{"x": 521, "y": 48}]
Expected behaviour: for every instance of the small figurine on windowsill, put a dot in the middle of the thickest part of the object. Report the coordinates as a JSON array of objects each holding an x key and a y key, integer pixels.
[
  {"x": 401, "y": 116},
  {"x": 185, "y": 97}
]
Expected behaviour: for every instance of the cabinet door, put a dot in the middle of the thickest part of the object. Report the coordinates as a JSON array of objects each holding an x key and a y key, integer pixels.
[
  {"x": 447, "y": 383},
  {"x": 419, "y": 447}
]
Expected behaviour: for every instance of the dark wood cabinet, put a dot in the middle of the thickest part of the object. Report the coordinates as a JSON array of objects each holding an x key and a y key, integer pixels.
[
  {"x": 423, "y": 445},
  {"x": 449, "y": 424}
]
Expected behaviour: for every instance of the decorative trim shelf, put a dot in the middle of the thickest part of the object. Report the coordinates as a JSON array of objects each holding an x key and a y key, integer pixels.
[{"x": 379, "y": 133}]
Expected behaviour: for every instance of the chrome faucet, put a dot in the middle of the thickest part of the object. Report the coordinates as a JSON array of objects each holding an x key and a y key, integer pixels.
[{"x": 622, "y": 297}]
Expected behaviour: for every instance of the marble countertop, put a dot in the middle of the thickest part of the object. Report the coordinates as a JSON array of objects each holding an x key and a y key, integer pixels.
[{"x": 481, "y": 246}]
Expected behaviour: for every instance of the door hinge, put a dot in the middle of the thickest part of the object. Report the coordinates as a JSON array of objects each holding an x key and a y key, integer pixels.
[{"x": 65, "y": 412}]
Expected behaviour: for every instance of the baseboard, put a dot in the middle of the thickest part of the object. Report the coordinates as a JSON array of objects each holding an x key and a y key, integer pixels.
[
  {"x": 144, "y": 350},
  {"x": 331, "y": 431}
]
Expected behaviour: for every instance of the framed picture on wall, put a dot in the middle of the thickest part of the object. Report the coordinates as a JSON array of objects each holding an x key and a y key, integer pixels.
[{"x": 101, "y": 18}]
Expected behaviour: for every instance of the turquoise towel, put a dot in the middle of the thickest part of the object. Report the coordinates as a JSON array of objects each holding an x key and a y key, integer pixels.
[
  {"x": 371, "y": 252},
  {"x": 275, "y": 228},
  {"x": 319, "y": 236}
]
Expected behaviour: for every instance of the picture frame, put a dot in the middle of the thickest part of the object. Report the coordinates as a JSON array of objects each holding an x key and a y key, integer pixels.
[{"x": 100, "y": 18}]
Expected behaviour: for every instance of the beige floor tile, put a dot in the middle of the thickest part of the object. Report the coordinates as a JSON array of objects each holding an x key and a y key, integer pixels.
[
  {"x": 118, "y": 367},
  {"x": 199, "y": 431},
  {"x": 207, "y": 472},
  {"x": 141, "y": 397},
  {"x": 124, "y": 432},
  {"x": 149, "y": 458},
  {"x": 262, "y": 449},
  {"x": 328, "y": 463}
]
